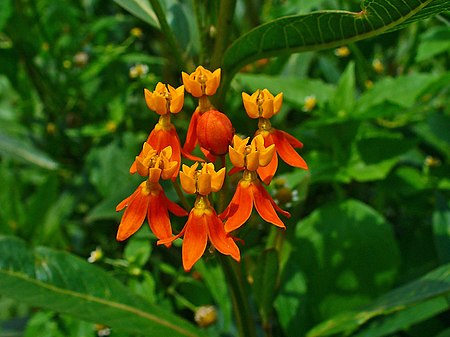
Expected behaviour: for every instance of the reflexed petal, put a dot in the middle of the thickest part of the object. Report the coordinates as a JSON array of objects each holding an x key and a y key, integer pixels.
[
  {"x": 191, "y": 137},
  {"x": 124, "y": 203},
  {"x": 287, "y": 152},
  {"x": 219, "y": 238},
  {"x": 195, "y": 240},
  {"x": 134, "y": 215},
  {"x": 168, "y": 241},
  {"x": 264, "y": 205},
  {"x": 266, "y": 173},
  {"x": 292, "y": 140},
  {"x": 158, "y": 216},
  {"x": 250, "y": 105},
  {"x": 173, "y": 207},
  {"x": 243, "y": 210}
]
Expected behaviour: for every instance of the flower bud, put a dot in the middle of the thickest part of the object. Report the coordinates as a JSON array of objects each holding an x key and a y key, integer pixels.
[{"x": 214, "y": 132}]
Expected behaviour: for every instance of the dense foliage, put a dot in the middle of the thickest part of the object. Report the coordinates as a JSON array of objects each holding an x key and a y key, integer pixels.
[{"x": 366, "y": 251}]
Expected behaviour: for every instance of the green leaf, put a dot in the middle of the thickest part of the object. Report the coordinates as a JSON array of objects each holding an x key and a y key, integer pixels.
[
  {"x": 435, "y": 41},
  {"x": 64, "y": 283},
  {"x": 344, "y": 97},
  {"x": 19, "y": 149},
  {"x": 344, "y": 254},
  {"x": 433, "y": 285},
  {"x": 325, "y": 29},
  {"x": 265, "y": 282},
  {"x": 141, "y": 9},
  {"x": 5, "y": 12}
]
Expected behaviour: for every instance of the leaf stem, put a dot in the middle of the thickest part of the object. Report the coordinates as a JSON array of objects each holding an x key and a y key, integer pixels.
[
  {"x": 172, "y": 42},
  {"x": 239, "y": 298}
]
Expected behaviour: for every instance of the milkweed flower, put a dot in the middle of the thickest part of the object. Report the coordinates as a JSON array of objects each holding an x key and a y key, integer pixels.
[
  {"x": 164, "y": 100},
  {"x": 250, "y": 191},
  {"x": 209, "y": 128},
  {"x": 149, "y": 199},
  {"x": 263, "y": 105},
  {"x": 203, "y": 224}
]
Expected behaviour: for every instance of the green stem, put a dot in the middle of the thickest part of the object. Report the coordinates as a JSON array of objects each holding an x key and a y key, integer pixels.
[
  {"x": 172, "y": 42},
  {"x": 226, "y": 12},
  {"x": 181, "y": 196},
  {"x": 241, "y": 308}
]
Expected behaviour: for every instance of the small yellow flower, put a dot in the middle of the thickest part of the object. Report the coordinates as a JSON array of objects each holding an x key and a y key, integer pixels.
[
  {"x": 262, "y": 103},
  {"x": 378, "y": 66},
  {"x": 202, "y": 82},
  {"x": 138, "y": 70},
  {"x": 309, "y": 103},
  {"x": 205, "y": 316},
  {"x": 203, "y": 181},
  {"x": 431, "y": 161},
  {"x": 136, "y": 32},
  {"x": 342, "y": 51},
  {"x": 165, "y": 99},
  {"x": 250, "y": 156}
]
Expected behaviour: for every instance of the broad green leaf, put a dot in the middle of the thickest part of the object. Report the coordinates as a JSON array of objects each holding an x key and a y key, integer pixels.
[
  {"x": 434, "y": 285},
  {"x": 137, "y": 251},
  {"x": 344, "y": 254},
  {"x": 64, "y": 283},
  {"x": 265, "y": 282},
  {"x": 435, "y": 41},
  {"x": 403, "y": 319},
  {"x": 140, "y": 9},
  {"x": 325, "y": 29},
  {"x": 19, "y": 149},
  {"x": 344, "y": 97}
]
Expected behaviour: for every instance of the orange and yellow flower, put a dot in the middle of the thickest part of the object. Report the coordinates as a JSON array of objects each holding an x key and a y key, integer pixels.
[
  {"x": 250, "y": 192},
  {"x": 149, "y": 198},
  {"x": 263, "y": 105},
  {"x": 203, "y": 224},
  {"x": 201, "y": 82},
  {"x": 165, "y": 100}
]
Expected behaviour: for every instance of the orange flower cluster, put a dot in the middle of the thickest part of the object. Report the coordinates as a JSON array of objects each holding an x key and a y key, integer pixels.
[{"x": 211, "y": 129}]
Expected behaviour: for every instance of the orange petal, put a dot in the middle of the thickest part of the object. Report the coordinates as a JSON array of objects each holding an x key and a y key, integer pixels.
[
  {"x": 243, "y": 209},
  {"x": 195, "y": 239},
  {"x": 264, "y": 206},
  {"x": 266, "y": 173},
  {"x": 173, "y": 207},
  {"x": 291, "y": 139},
  {"x": 127, "y": 201},
  {"x": 287, "y": 152},
  {"x": 220, "y": 239},
  {"x": 191, "y": 136},
  {"x": 134, "y": 216},
  {"x": 274, "y": 204},
  {"x": 158, "y": 217}
]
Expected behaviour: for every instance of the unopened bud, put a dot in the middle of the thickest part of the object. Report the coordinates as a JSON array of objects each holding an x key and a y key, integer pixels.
[{"x": 214, "y": 132}]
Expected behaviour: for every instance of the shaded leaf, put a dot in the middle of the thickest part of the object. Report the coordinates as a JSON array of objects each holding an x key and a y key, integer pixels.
[
  {"x": 433, "y": 285},
  {"x": 441, "y": 228},
  {"x": 325, "y": 29},
  {"x": 64, "y": 283}
]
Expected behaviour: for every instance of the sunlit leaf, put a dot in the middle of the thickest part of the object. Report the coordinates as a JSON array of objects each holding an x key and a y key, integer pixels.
[
  {"x": 64, "y": 283},
  {"x": 140, "y": 9}
]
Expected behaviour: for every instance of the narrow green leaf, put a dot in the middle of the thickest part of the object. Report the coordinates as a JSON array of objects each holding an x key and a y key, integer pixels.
[
  {"x": 325, "y": 29},
  {"x": 344, "y": 98},
  {"x": 140, "y": 9},
  {"x": 64, "y": 283},
  {"x": 20, "y": 150},
  {"x": 435, "y": 284},
  {"x": 265, "y": 282}
]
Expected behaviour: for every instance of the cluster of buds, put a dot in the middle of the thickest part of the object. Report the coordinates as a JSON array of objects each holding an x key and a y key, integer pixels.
[{"x": 211, "y": 129}]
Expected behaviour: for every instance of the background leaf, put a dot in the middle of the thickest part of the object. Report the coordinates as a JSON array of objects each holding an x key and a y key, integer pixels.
[
  {"x": 324, "y": 29},
  {"x": 140, "y": 9},
  {"x": 65, "y": 283}
]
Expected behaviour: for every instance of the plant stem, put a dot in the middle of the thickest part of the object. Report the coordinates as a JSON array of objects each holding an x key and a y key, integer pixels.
[
  {"x": 239, "y": 298},
  {"x": 181, "y": 196},
  {"x": 172, "y": 42},
  {"x": 226, "y": 12}
]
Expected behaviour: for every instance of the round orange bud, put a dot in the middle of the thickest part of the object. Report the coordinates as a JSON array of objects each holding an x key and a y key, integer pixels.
[{"x": 214, "y": 132}]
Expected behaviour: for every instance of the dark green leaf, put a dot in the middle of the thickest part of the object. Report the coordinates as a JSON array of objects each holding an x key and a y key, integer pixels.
[
  {"x": 344, "y": 98},
  {"x": 5, "y": 12},
  {"x": 265, "y": 282},
  {"x": 64, "y": 283},
  {"x": 441, "y": 228},
  {"x": 435, "y": 284},
  {"x": 325, "y": 29}
]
